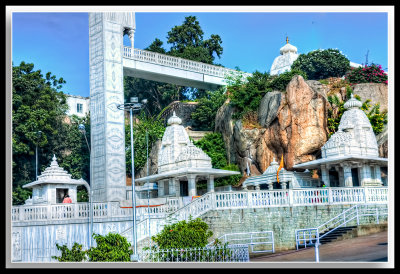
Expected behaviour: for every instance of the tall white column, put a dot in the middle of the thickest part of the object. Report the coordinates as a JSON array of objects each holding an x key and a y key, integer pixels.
[
  {"x": 108, "y": 170},
  {"x": 210, "y": 183},
  {"x": 192, "y": 184}
]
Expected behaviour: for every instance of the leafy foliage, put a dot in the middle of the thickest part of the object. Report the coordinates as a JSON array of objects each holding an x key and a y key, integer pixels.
[
  {"x": 37, "y": 105},
  {"x": 321, "y": 64},
  {"x": 186, "y": 42},
  {"x": 110, "y": 248},
  {"x": 280, "y": 82},
  {"x": 213, "y": 145},
  {"x": 376, "y": 118},
  {"x": 246, "y": 97},
  {"x": 183, "y": 234},
  {"x": 367, "y": 74},
  {"x": 206, "y": 110},
  {"x": 75, "y": 254},
  {"x": 155, "y": 129}
]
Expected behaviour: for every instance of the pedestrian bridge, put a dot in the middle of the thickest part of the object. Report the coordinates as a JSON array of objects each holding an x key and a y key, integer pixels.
[{"x": 174, "y": 70}]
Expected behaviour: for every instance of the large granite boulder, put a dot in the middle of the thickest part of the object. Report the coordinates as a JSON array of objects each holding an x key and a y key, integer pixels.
[
  {"x": 376, "y": 92},
  {"x": 293, "y": 125},
  {"x": 269, "y": 108}
]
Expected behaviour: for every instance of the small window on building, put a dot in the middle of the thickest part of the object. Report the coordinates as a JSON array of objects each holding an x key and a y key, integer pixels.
[{"x": 79, "y": 108}]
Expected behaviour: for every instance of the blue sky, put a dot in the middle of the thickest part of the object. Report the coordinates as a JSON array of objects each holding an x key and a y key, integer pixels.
[{"x": 59, "y": 42}]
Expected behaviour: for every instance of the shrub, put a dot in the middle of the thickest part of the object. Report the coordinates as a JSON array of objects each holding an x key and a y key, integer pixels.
[
  {"x": 183, "y": 234},
  {"x": 75, "y": 254},
  {"x": 110, "y": 248},
  {"x": 321, "y": 64},
  {"x": 367, "y": 74},
  {"x": 280, "y": 82}
]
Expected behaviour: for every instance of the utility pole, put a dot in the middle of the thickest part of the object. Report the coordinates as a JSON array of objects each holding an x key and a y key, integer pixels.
[{"x": 366, "y": 58}]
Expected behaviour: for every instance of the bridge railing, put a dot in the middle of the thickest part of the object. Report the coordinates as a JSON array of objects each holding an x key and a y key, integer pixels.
[{"x": 177, "y": 62}]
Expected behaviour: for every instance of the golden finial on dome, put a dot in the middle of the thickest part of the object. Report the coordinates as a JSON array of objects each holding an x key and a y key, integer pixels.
[{"x": 287, "y": 40}]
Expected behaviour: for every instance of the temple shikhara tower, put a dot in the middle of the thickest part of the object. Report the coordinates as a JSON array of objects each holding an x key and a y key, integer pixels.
[{"x": 350, "y": 158}]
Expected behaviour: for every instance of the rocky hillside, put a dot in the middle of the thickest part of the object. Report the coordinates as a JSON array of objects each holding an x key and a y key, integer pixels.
[{"x": 291, "y": 123}]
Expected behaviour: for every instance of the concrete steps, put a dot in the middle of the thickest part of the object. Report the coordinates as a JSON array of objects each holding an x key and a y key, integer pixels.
[{"x": 337, "y": 234}]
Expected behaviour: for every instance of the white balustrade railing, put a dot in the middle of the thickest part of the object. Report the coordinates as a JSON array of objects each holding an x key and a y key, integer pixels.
[
  {"x": 209, "y": 201},
  {"x": 180, "y": 63}
]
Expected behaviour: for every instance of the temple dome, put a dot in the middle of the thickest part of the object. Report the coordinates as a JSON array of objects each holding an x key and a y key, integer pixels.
[
  {"x": 174, "y": 120},
  {"x": 288, "y": 48},
  {"x": 273, "y": 168}
]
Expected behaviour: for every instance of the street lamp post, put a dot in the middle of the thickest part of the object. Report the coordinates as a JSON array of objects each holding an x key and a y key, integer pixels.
[
  {"x": 82, "y": 129},
  {"x": 133, "y": 105},
  {"x": 38, "y": 134}
]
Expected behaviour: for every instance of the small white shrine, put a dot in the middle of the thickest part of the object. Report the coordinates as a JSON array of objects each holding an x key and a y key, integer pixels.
[
  {"x": 350, "y": 157},
  {"x": 181, "y": 164},
  {"x": 51, "y": 186},
  {"x": 287, "y": 179},
  {"x": 282, "y": 63}
]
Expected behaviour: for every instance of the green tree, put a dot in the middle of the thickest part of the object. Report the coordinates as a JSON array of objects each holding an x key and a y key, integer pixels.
[
  {"x": 246, "y": 96},
  {"x": 213, "y": 145},
  {"x": 322, "y": 64},
  {"x": 37, "y": 105},
  {"x": 207, "y": 107},
  {"x": 186, "y": 42},
  {"x": 155, "y": 130}
]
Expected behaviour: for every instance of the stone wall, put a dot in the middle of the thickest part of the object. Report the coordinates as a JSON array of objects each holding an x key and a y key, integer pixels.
[{"x": 283, "y": 221}]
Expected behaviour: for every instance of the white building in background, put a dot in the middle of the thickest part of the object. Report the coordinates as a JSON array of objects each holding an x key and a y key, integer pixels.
[{"x": 78, "y": 105}]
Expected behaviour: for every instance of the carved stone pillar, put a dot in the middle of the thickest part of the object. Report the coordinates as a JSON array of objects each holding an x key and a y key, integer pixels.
[
  {"x": 161, "y": 188},
  {"x": 177, "y": 187},
  {"x": 210, "y": 183},
  {"x": 270, "y": 186},
  {"x": 283, "y": 185},
  {"x": 325, "y": 175},
  {"x": 131, "y": 34},
  {"x": 365, "y": 174},
  {"x": 192, "y": 185},
  {"x": 378, "y": 177},
  {"x": 348, "y": 178},
  {"x": 257, "y": 187},
  {"x": 171, "y": 185}
]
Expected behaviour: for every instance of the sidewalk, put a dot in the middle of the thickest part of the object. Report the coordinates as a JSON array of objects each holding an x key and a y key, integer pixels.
[{"x": 370, "y": 248}]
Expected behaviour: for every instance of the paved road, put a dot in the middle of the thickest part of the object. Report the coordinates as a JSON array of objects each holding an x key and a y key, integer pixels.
[{"x": 370, "y": 248}]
